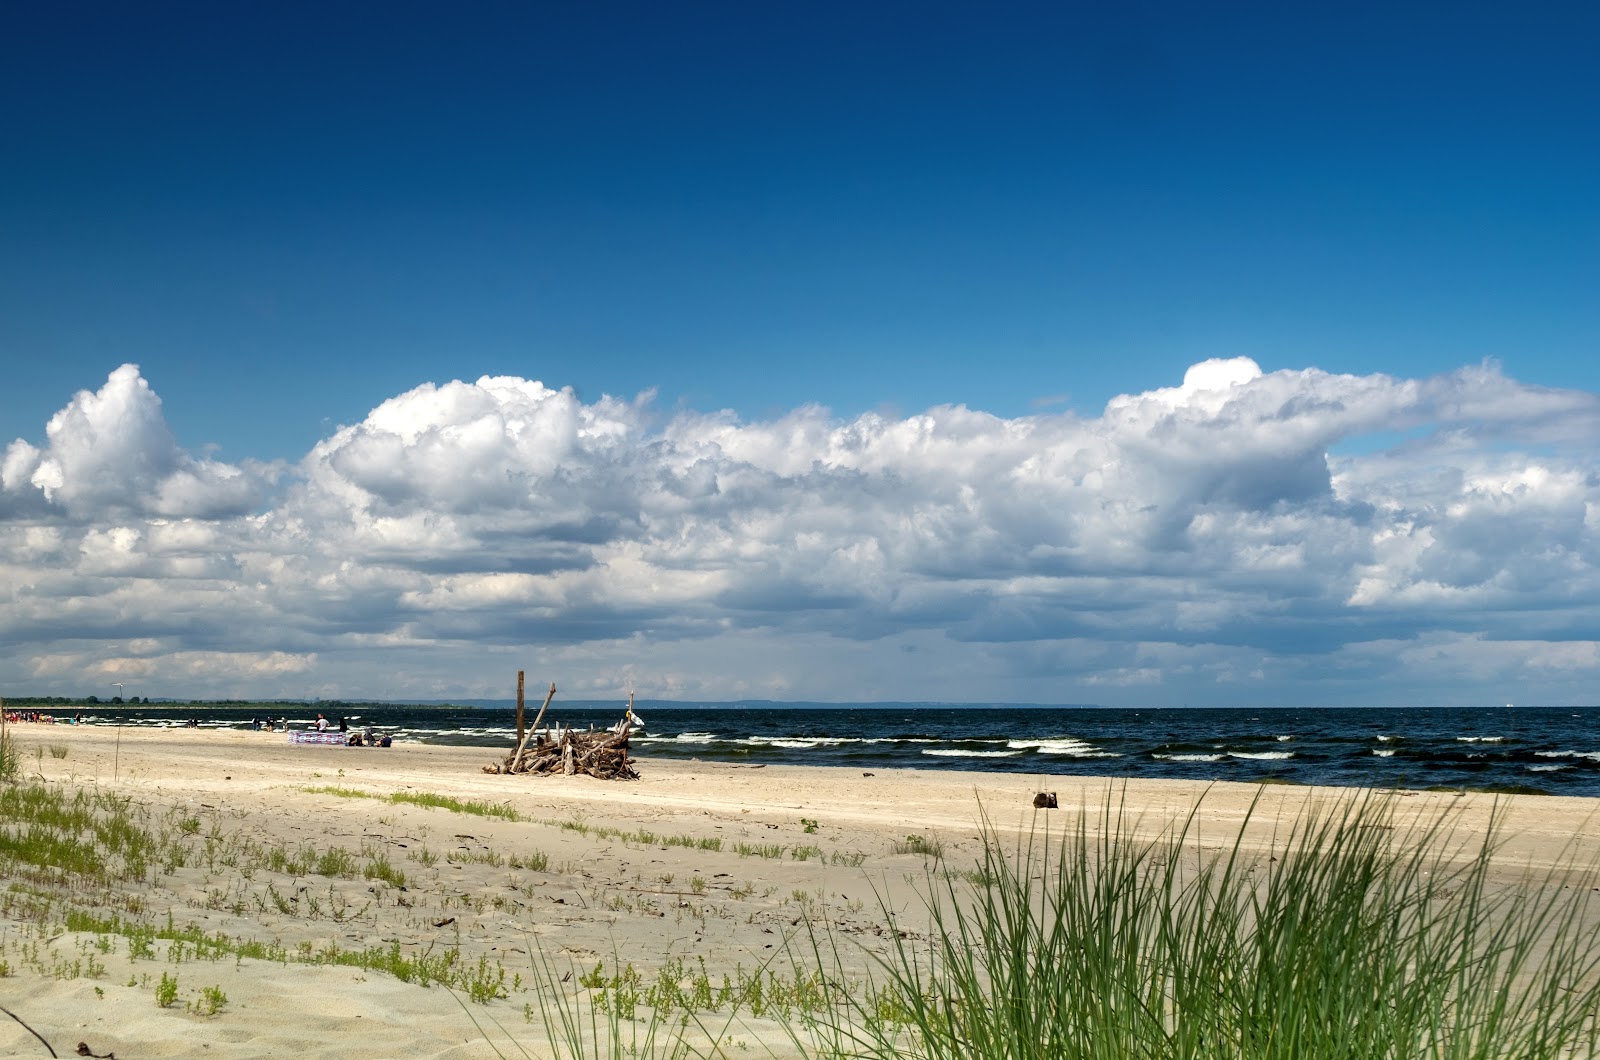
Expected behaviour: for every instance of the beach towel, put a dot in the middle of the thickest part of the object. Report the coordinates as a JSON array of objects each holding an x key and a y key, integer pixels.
[{"x": 337, "y": 738}]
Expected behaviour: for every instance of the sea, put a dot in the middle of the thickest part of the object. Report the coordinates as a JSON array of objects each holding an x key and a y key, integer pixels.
[{"x": 1521, "y": 749}]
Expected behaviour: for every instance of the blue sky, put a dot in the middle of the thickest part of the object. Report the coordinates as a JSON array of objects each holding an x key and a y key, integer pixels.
[
  {"x": 292, "y": 213},
  {"x": 288, "y": 215}
]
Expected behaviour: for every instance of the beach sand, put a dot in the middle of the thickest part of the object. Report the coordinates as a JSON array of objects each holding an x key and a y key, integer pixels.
[{"x": 802, "y": 849}]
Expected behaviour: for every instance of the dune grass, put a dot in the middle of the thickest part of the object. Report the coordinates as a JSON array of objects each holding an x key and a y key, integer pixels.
[
  {"x": 1359, "y": 937},
  {"x": 9, "y": 765},
  {"x": 1356, "y": 936},
  {"x": 427, "y": 799}
]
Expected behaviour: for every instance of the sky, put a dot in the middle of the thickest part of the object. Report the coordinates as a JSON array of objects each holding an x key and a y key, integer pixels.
[{"x": 1136, "y": 354}]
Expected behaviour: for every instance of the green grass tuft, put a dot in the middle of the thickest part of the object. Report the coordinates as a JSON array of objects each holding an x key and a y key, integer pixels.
[
  {"x": 10, "y": 765},
  {"x": 470, "y": 806},
  {"x": 918, "y": 844},
  {"x": 1359, "y": 938},
  {"x": 426, "y": 799}
]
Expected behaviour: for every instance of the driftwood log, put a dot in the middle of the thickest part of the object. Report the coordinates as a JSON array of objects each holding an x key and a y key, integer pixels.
[{"x": 601, "y": 754}]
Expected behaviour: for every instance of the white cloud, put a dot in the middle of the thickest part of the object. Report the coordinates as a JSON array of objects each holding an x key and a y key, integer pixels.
[
  {"x": 1287, "y": 536},
  {"x": 110, "y": 451}
]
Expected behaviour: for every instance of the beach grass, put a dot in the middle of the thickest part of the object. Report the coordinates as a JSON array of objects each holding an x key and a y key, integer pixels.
[
  {"x": 1357, "y": 936},
  {"x": 9, "y": 764},
  {"x": 427, "y": 799},
  {"x": 636, "y": 837}
]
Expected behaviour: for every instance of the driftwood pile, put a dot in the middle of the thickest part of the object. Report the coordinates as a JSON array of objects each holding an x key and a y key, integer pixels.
[{"x": 601, "y": 754}]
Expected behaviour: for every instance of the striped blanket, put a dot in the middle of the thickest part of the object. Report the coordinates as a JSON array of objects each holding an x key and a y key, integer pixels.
[{"x": 338, "y": 738}]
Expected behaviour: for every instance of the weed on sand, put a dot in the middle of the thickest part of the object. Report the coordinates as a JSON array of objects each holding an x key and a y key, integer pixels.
[{"x": 476, "y": 808}]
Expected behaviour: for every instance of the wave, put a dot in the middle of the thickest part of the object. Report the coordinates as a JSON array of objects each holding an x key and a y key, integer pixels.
[
  {"x": 1068, "y": 746},
  {"x": 1467, "y": 747},
  {"x": 682, "y": 737},
  {"x": 833, "y": 741}
]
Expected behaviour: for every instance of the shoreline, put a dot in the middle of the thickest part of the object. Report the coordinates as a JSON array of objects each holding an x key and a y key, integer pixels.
[
  {"x": 696, "y": 860},
  {"x": 1539, "y": 750}
]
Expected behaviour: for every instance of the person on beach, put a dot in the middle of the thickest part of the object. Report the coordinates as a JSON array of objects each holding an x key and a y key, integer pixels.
[{"x": 322, "y": 723}]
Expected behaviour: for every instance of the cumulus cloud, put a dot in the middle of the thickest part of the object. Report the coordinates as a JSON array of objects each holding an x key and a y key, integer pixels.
[
  {"x": 1255, "y": 534},
  {"x": 110, "y": 450}
]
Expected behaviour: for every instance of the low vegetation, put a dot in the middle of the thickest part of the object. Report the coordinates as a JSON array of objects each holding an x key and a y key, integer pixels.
[
  {"x": 1360, "y": 938},
  {"x": 8, "y": 750},
  {"x": 1361, "y": 935},
  {"x": 476, "y": 808},
  {"x": 641, "y": 837}
]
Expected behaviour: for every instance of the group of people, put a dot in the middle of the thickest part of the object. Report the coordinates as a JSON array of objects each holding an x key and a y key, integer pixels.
[
  {"x": 365, "y": 738},
  {"x": 40, "y": 717}
]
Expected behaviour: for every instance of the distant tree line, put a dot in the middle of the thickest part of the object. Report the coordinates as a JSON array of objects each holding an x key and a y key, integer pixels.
[
  {"x": 70, "y": 701},
  {"x": 334, "y": 706}
]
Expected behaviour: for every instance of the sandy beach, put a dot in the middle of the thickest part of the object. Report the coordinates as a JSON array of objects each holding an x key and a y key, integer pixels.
[{"x": 694, "y": 862}]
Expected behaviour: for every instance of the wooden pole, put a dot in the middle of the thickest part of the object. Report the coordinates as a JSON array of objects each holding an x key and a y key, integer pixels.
[
  {"x": 627, "y": 726},
  {"x": 548, "y": 697},
  {"x": 516, "y": 757},
  {"x": 519, "y": 708}
]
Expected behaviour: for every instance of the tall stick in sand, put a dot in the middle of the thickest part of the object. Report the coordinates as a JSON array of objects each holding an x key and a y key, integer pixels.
[
  {"x": 516, "y": 758},
  {"x": 519, "y": 709},
  {"x": 548, "y": 697}
]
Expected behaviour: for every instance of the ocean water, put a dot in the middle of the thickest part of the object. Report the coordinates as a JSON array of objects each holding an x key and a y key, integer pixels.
[{"x": 1549, "y": 750}]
